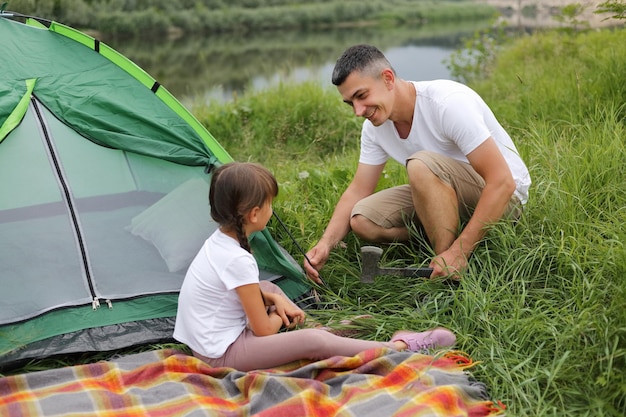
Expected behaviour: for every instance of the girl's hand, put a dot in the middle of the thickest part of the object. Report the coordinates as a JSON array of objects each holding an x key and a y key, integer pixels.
[{"x": 290, "y": 314}]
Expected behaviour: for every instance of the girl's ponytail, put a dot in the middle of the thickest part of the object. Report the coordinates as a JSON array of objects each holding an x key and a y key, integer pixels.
[{"x": 241, "y": 236}]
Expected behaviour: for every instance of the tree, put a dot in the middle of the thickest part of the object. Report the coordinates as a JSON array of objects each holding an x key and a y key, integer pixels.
[{"x": 618, "y": 7}]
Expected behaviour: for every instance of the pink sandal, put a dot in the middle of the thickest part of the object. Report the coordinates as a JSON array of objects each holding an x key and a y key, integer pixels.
[{"x": 424, "y": 341}]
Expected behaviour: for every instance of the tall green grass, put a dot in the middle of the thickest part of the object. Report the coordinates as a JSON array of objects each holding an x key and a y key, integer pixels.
[{"x": 543, "y": 302}]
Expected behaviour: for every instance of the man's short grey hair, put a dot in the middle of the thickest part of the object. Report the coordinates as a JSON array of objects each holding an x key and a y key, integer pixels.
[{"x": 366, "y": 59}]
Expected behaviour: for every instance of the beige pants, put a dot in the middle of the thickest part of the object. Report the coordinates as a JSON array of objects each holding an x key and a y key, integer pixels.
[{"x": 393, "y": 207}]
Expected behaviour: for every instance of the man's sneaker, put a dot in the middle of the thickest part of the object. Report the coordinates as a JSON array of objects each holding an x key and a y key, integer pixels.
[{"x": 424, "y": 341}]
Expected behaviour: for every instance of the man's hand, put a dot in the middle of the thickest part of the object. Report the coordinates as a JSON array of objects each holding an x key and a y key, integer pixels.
[
  {"x": 317, "y": 257},
  {"x": 449, "y": 263}
]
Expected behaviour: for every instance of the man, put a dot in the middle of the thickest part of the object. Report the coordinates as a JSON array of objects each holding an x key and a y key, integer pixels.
[{"x": 462, "y": 166}]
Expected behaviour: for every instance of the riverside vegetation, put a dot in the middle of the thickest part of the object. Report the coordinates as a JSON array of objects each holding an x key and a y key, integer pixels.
[
  {"x": 162, "y": 17},
  {"x": 541, "y": 306}
]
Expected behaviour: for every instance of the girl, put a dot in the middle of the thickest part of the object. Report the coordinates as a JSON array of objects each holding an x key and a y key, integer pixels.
[{"x": 230, "y": 319}]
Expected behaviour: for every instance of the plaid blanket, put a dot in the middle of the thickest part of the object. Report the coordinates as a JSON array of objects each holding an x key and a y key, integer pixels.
[{"x": 377, "y": 382}]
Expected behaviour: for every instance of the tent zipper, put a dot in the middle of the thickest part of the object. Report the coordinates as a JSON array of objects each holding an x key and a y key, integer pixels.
[{"x": 52, "y": 154}]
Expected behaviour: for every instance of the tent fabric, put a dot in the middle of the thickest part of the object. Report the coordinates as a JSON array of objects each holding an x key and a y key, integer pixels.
[
  {"x": 97, "y": 97},
  {"x": 104, "y": 198}
]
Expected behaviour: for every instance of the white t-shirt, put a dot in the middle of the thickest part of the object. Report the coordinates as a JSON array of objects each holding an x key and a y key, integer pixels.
[
  {"x": 210, "y": 315},
  {"x": 450, "y": 119}
]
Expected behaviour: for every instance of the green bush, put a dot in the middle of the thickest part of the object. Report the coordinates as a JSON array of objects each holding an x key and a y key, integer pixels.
[
  {"x": 558, "y": 76},
  {"x": 303, "y": 122}
]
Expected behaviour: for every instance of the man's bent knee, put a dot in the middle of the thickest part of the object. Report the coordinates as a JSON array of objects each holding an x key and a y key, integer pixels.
[
  {"x": 367, "y": 230},
  {"x": 419, "y": 172},
  {"x": 362, "y": 226}
]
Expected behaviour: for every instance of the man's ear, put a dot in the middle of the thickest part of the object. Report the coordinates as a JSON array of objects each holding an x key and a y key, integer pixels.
[{"x": 388, "y": 77}]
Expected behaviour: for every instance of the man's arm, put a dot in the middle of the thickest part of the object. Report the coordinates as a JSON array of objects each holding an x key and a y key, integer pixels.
[
  {"x": 489, "y": 163},
  {"x": 363, "y": 184}
]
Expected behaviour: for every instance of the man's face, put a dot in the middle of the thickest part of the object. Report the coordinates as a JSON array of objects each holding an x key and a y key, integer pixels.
[{"x": 368, "y": 96}]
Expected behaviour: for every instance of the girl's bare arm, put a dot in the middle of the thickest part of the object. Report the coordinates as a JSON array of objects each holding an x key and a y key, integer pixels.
[{"x": 261, "y": 323}]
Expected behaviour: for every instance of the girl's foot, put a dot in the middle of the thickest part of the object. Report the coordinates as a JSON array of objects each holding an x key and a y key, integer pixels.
[{"x": 423, "y": 341}]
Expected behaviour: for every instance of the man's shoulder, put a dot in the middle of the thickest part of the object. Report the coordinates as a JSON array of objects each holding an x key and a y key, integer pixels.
[
  {"x": 440, "y": 86},
  {"x": 442, "y": 93}
]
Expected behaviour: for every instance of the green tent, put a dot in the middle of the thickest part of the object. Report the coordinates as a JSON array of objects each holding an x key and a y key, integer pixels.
[{"x": 103, "y": 197}]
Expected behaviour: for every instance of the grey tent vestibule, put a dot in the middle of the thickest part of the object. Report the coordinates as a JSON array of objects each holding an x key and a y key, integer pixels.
[{"x": 103, "y": 197}]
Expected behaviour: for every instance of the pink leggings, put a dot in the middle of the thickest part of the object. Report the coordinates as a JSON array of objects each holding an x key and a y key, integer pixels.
[{"x": 251, "y": 352}]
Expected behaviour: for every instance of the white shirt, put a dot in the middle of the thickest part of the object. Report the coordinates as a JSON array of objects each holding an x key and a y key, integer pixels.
[
  {"x": 450, "y": 119},
  {"x": 210, "y": 315}
]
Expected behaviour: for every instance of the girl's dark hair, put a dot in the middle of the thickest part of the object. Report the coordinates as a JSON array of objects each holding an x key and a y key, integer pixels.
[
  {"x": 236, "y": 188},
  {"x": 363, "y": 58}
]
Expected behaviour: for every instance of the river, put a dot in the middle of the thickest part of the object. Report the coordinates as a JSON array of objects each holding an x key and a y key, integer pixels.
[{"x": 220, "y": 68}]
